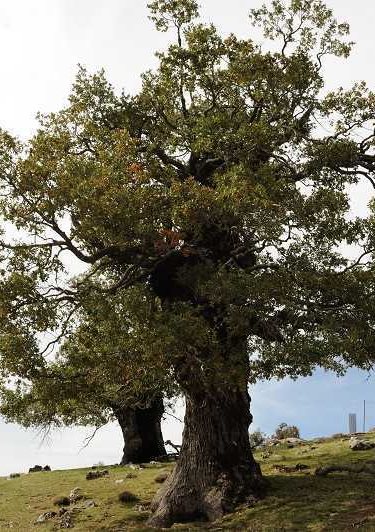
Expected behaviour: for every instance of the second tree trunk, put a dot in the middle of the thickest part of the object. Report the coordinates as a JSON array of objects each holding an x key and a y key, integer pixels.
[{"x": 141, "y": 429}]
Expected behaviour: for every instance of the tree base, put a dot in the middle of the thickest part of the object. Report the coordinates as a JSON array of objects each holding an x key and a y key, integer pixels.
[
  {"x": 181, "y": 501},
  {"x": 216, "y": 471}
]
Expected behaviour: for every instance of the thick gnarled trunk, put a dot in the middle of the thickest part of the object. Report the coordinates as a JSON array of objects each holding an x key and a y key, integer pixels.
[
  {"x": 216, "y": 470},
  {"x": 141, "y": 429}
]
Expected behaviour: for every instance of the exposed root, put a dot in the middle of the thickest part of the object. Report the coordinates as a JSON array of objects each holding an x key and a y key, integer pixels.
[
  {"x": 366, "y": 467},
  {"x": 175, "y": 502},
  {"x": 290, "y": 469}
]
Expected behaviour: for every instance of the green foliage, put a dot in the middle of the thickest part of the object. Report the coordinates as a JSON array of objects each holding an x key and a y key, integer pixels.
[
  {"x": 284, "y": 431},
  {"x": 97, "y": 371},
  {"x": 172, "y": 12},
  {"x": 304, "y": 25},
  {"x": 256, "y": 438},
  {"x": 208, "y": 215}
]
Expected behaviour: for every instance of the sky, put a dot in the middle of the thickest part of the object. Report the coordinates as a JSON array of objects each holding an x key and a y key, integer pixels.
[{"x": 41, "y": 43}]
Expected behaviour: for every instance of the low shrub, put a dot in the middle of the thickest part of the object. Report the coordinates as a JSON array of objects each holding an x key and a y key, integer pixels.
[
  {"x": 127, "y": 496},
  {"x": 61, "y": 501},
  {"x": 284, "y": 431},
  {"x": 161, "y": 478},
  {"x": 257, "y": 438}
]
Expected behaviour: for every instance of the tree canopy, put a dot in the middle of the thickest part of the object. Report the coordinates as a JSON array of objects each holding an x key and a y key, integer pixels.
[
  {"x": 91, "y": 380},
  {"x": 92, "y": 371},
  {"x": 214, "y": 207}
]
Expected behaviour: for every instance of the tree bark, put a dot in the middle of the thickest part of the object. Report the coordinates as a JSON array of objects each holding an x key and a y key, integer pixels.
[
  {"x": 141, "y": 429},
  {"x": 216, "y": 470}
]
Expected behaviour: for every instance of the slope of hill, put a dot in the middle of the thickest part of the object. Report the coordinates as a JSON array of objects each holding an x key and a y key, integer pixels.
[{"x": 297, "y": 500}]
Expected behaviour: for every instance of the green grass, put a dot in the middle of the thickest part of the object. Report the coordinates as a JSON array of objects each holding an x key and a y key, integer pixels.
[{"x": 298, "y": 501}]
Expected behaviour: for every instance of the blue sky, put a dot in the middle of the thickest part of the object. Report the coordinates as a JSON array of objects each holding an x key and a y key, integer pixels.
[
  {"x": 318, "y": 405},
  {"x": 42, "y": 42}
]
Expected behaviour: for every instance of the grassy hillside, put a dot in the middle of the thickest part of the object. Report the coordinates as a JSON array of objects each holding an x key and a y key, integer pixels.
[{"x": 296, "y": 501}]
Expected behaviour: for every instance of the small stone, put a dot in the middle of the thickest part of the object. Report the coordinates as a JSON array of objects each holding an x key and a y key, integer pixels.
[
  {"x": 142, "y": 507},
  {"x": 66, "y": 520},
  {"x": 89, "y": 503},
  {"x": 360, "y": 445},
  {"x": 120, "y": 481},
  {"x": 272, "y": 442},
  {"x": 76, "y": 495},
  {"x": 45, "y": 517}
]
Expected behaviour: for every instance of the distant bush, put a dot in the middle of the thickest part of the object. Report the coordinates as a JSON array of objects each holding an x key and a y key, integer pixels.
[
  {"x": 97, "y": 474},
  {"x": 127, "y": 496},
  {"x": 284, "y": 431},
  {"x": 14, "y": 475},
  {"x": 338, "y": 436},
  {"x": 257, "y": 438},
  {"x": 61, "y": 501},
  {"x": 36, "y": 469},
  {"x": 160, "y": 479}
]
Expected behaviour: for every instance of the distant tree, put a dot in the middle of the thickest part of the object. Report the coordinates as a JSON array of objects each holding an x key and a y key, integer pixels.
[
  {"x": 257, "y": 438},
  {"x": 286, "y": 431},
  {"x": 213, "y": 207},
  {"x": 55, "y": 402}
]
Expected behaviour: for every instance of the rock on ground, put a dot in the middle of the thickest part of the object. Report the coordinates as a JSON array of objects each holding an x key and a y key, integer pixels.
[
  {"x": 88, "y": 503},
  {"x": 76, "y": 495},
  {"x": 360, "y": 445},
  {"x": 45, "y": 517}
]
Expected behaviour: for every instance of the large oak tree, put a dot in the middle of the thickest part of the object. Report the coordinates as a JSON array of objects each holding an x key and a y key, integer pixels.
[{"x": 214, "y": 205}]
